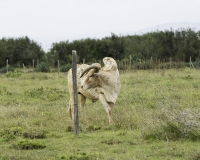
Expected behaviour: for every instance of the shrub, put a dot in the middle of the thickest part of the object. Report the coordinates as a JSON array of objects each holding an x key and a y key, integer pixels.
[
  {"x": 65, "y": 68},
  {"x": 8, "y": 137},
  {"x": 43, "y": 67},
  {"x": 27, "y": 145},
  {"x": 34, "y": 134},
  {"x": 4, "y": 69},
  {"x": 9, "y": 134},
  {"x": 11, "y": 131},
  {"x": 13, "y": 74}
]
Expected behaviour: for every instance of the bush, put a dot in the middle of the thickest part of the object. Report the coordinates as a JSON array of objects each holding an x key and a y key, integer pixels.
[
  {"x": 27, "y": 145},
  {"x": 43, "y": 67},
  {"x": 65, "y": 68},
  {"x": 34, "y": 134},
  {"x": 4, "y": 69},
  {"x": 13, "y": 74}
]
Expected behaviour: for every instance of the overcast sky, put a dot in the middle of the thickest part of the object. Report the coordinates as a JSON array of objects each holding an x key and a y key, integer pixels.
[{"x": 48, "y": 21}]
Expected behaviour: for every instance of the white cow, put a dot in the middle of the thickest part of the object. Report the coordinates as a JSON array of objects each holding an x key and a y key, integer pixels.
[{"x": 96, "y": 83}]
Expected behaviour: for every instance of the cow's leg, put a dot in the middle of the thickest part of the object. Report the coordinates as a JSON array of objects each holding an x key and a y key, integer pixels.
[
  {"x": 71, "y": 107},
  {"x": 83, "y": 99},
  {"x": 107, "y": 107}
]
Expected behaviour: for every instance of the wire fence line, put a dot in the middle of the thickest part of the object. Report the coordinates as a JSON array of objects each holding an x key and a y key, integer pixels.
[
  {"x": 123, "y": 65},
  {"x": 168, "y": 63}
]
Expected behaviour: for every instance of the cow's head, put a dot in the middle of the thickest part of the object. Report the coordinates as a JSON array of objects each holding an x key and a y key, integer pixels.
[
  {"x": 91, "y": 74},
  {"x": 91, "y": 81},
  {"x": 109, "y": 65}
]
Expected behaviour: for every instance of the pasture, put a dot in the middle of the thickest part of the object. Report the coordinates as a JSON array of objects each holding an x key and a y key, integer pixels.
[{"x": 156, "y": 117}]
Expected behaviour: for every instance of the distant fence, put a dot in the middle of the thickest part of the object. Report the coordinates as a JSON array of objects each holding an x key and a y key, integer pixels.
[
  {"x": 123, "y": 65},
  {"x": 129, "y": 64},
  {"x": 155, "y": 64}
]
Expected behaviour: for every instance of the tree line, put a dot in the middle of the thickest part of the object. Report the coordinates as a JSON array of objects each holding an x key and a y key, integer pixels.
[
  {"x": 18, "y": 51},
  {"x": 180, "y": 45}
]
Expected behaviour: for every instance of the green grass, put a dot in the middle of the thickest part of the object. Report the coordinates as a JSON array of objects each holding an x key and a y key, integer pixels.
[{"x": 156, "y": 117}]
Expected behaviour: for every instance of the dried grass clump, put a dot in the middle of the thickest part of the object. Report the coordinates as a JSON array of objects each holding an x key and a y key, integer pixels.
[{"x": 170, "y": 121}]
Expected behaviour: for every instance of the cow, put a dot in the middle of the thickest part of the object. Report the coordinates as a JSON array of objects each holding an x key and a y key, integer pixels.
[{"x": 96, "y": 83}]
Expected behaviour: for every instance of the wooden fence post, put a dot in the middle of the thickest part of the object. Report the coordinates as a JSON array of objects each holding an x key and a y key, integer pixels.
[
  {"x": 151, "y": 63},
  {"x": 58, "y": 67},
  {"x": 37, "y": 64},
  {"x": 74, "y": 74},
  {"x": 191, "y": 64},
  {"x": 7, "y": 65},
  {"x": 24, "y": 67},
  {"x": 170, "y": 63},
  {"x": 130, "y": 63},
  {"x": 33, "y": 67},
  {"x": 119, "y": 65}
]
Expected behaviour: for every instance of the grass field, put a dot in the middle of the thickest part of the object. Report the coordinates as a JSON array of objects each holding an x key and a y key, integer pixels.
[{"x": 156, "y": 117}]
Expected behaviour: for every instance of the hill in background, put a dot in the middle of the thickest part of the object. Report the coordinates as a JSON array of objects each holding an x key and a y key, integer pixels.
[{"x": 169, "y": 26}]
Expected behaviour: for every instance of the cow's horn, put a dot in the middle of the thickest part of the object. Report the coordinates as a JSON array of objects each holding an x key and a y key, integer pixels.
[{"x": 89, "y": 68}]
